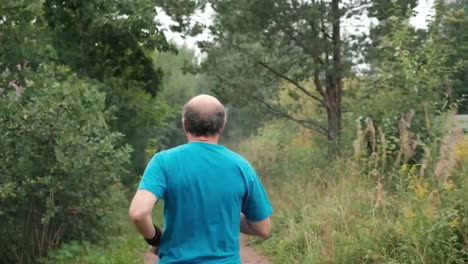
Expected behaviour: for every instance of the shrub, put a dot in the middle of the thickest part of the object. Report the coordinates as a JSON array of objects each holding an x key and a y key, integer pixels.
[{"x": 60, "y": 163}]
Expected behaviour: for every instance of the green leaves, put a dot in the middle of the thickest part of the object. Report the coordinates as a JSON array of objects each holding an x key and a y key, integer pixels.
[
  {"x": 72, "y": 74},
  {"x": 57, "y": 153},
  {"x": 453, "y": 28},
  {"x": 105, "y": 39}
]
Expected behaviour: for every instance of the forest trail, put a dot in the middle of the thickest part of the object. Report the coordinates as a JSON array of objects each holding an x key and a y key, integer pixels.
[{"x": 248, "y": 255}]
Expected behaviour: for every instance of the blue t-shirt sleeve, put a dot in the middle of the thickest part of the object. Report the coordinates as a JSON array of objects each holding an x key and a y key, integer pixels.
[
  {"x": 256, "y": 205},
  {"x": 154, "y": 178}
]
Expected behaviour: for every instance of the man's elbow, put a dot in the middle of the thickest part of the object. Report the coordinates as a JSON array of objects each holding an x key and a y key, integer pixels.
[
  {"x": 264, "y": 229},
  {"x": 264, "y": 233},
  {"x": 137, "y": 215}
]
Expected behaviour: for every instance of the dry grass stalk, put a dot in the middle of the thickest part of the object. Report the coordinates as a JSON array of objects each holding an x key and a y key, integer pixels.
[
  {"x": 358, "y": 142},
  {"x": 407, "y": 143},
  {"x": 370, "y": 130},
  {"x": 426, "y": 159},
  {"x": 447, "y": 157},
  {"x": 427, "y": 119},
  {"x": 371, "y": 139},
  {"x": 365, "y": 137},
  {"x": 383, "y": 149},
  {"x": 380, "y": 195}
]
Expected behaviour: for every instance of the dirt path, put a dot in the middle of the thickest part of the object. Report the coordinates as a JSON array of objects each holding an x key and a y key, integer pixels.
[{"x": 248, "y": 255}]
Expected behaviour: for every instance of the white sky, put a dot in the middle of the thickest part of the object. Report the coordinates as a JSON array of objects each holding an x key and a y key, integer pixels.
[
  {"x": 424, "y": 11},
  {"x": 204, "y": 18}
]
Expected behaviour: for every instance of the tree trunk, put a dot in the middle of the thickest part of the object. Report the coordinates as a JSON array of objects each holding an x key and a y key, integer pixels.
[
  {"x": 334, "y": 118},
  {"x": 334, "y": 83},
  {"x": 334, "y": 122}
]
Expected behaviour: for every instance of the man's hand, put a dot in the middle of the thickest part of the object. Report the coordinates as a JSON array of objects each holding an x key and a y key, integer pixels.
[
  {"x": 153, "y": 249},
  {"x": 150, "y": 257}
]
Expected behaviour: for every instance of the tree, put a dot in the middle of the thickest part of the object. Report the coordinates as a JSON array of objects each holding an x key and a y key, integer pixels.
[
  {"x": 384, "y": 11},
  {"x": 24, "y": 36},
  {"x": 453, "y": 26},
  {"x": 260, "y": 44},
  {"x": 178, "y": 86},
  {"x": 105, "y": 39},
  {"x": 113, "y": 42}
]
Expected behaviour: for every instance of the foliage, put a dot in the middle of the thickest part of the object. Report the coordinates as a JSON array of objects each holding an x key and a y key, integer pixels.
[
  {"x": 260, "y": 45},
  {"x": 283, "y": 150},
  {"x": 63, "y": 160},
  {"x": 347, "y": 214},
  {"x": 342, "y": 214},
  {"x": 103, "y": 39},
  {"x": 384, "y": 12},
  {"x": 178, "y": 86},
  {"x": 180, "y": 83},
  {"x": 124, "y": 246},
  {"x": 74, "y": 72},
  {"x": 113, "y": 41},
  {"x": 60, "y": 162},
  {"x": 461, "y": 150},
  {"x": 107, "y": 41},
  {"x": 412, "y": 77},
  {"x": 403, "y": 99},
  {"x": 139, "y": 116},
  {"x": 23, "y": 33},
  {"x": 454, "y": 23}
]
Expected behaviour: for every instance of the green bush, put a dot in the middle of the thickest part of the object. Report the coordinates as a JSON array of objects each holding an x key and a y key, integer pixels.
[{"x": 60, "y": 163}]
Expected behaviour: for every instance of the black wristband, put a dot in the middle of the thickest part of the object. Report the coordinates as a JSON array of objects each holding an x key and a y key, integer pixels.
[{"x": 156, "y": 239}]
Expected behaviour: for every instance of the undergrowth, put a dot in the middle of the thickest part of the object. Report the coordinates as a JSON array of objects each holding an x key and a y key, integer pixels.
[
  {"x": 343, "y": 213},
  {"x": 126, "y": 246},
  {"x": 338, "y": 213}
]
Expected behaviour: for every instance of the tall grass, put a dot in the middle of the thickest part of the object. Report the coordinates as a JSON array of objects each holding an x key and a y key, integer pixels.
[
  {"x": 343, "y": 213},
  {"x": 338, "y": 212}
]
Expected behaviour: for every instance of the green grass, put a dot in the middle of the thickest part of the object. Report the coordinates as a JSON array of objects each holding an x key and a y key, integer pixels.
[
  {"x": 341, "y": 214},
  {"x": 334, "y": 214},
  {"x": 126, "y": 246}
]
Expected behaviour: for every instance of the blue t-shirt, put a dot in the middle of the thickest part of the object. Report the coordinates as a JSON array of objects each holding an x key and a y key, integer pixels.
[{"x": 205, "y": 187}]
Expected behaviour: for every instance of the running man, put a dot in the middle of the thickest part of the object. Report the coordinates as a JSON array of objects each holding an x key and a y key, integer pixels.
[{"x": 210, "y": 193}]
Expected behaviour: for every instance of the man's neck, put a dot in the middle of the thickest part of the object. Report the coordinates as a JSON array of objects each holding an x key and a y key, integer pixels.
[{"x": 211, "y": 140}]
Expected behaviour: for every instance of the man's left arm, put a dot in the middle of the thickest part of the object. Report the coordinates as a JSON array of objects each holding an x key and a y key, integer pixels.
[
  {"x": 140, "y": 213},
  {"x": 152, "y": 187}
]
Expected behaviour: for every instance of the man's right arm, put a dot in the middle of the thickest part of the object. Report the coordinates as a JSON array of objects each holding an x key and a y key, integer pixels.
[
  {"x": 255, "y": 228},
  {"x": 256, "y": 207}
]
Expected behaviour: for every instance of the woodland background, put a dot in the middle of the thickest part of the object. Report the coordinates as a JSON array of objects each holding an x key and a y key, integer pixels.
[{"x": 358, "y": 135}]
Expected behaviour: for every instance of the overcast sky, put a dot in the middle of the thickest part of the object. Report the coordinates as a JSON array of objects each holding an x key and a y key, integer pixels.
[{"x": 424, "y": 11}]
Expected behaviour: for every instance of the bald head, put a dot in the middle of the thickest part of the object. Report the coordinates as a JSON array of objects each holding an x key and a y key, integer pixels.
[{"x": 204, "y": 115}]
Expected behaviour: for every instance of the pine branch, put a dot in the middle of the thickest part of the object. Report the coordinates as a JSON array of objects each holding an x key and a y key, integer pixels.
[{"x": 307, "y": 123}]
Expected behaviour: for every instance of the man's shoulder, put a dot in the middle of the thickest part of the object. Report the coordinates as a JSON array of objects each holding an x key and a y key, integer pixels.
[
  {"x": 238, "y": 158},
  {"x": 228, "y": 153},
  {"x": 173, "y": 150},
  {"x": 169, "y": 153}
]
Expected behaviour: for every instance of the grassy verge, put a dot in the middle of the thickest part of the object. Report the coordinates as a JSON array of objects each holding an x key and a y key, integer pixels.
[
  {"x": 124, "y": 247},
  {"x": 344, "y": 214},
  {"x": 330, "y": 214}
]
